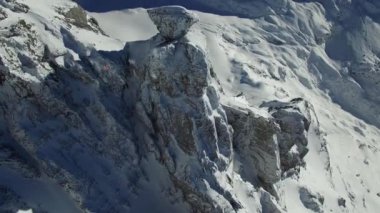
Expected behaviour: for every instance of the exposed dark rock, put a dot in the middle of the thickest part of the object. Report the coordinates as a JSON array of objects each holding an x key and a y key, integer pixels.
[
  {"x": 180, "y": 110},
  {"x": 197, "y": 201},
  {"x": 3, "y": 14},
  {"x": 78, "y": 17},
  {"x": 342, "y": 202},
  {"x": 26, "y": 61},
  {"x": 269, "y": 204},
  {"x": 311, "y": 200},
  {"x": 294, "y": 120},
  {"x": 255, "y": 142},
  {"x": 172, "y": 97},
  {"x": 15, "y": 6}
]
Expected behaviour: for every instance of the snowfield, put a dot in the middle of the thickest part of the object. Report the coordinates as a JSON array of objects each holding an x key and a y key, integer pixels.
[{"x": 89, "y": 111}]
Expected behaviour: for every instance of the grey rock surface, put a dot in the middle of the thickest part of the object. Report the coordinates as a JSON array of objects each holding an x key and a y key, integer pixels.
[
  {"x": 77, "y": 16},
  {"x": 65, "y": 114},
  {"x": 311, "y": 200},
  {"x": 269, "y": 204},
  {"x": 294, "y": 120},
  {"x": 255, "y": 140},
  {"x": 3, "y": 14},
  {"x": 342, "y": 202},
  {"x": 15, "y": 6},
  {"x": 172, "y": 22},
  {"x": 176, "y": 103}
]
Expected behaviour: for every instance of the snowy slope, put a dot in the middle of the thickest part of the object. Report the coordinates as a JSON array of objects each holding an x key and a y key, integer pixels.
[{"x": 325, "y": 53}]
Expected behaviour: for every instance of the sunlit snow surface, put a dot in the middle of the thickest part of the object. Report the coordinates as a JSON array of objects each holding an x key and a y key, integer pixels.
[{"x": 25, "y": 211}]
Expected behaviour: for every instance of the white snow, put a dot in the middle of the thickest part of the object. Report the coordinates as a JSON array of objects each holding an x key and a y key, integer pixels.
[
  {"x": 126, "y": 25},
  {"x": 25, "y": 211}
]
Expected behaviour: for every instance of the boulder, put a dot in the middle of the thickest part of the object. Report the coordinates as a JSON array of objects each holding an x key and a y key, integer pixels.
[
  {"x": 173, "y": 22},
  {"x": 342, "y": 202},
  {"x": 311, "y": 200}
]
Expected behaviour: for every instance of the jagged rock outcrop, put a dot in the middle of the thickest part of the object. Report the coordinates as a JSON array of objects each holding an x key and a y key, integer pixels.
[
  {"x": 173, "y": 22},
  {"x": 57, "y": 115},
  {"x": 174, "y": 101},
  {"x": 15, "y": 6},
  {"x": 255, "y": 141},
  {"x": 78, "y": 17},
  {"x": 311, "y": 200},
  {"x": 3, "y": 14},
  {"x": 294, "y": 120},
  {"x": 271, "y": 146},
  {"x": 269, "y": 204}
]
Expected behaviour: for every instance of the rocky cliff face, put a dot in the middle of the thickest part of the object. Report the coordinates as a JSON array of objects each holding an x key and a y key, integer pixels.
[
  {"x": 184, "y": 122},
  {"x": 191, "y": 133},
  {"x": 255, "y": 141},
  {"x": 156, "y": 106}
]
